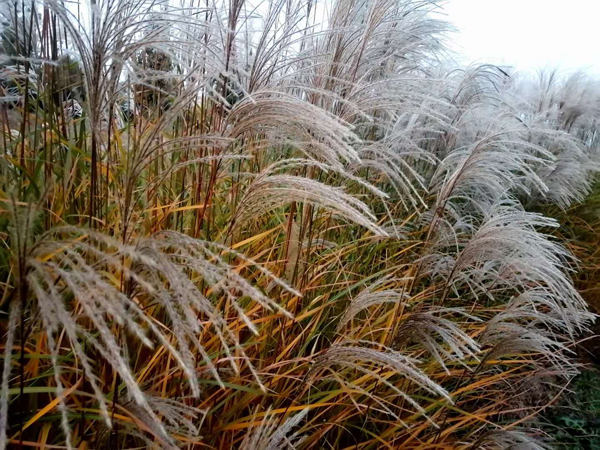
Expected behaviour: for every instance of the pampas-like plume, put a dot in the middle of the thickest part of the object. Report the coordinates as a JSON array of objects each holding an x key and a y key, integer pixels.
[
  {"x": 391, "y": 159},
  {"x": 513, "y": 339},
  {"x": 488, "y": 169},
  {"x": 513, "y": 439},
  {"x": 269, "y": 192},
  {"x": 560, "y": 113},
  {"x": 532, "y": 323},
  {"x": 298, "y": 124},
  {"x": 159, "y": 269},
  {"x": 359, "y": 357},
  {"x": 508, "y": 252},
  {"x": 423, "y": 328},
  {"x": 177, "y": 418},
  {"x": 271, "y": 434},
  {"x": 369, "y": 297}
]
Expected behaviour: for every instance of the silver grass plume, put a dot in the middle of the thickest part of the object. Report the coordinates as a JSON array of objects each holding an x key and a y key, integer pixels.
[
  {"x": 177, "y": 419},
  {"x": 428, "y": 328},
  {"x": 513, "y": 339},
  {"x": 361, "y": 357},
  {"x": 295, "y": 123},
  {"x": 510, "y": 439},
  {"x": 268, "y": 192},
  {"x": 395, "y": 160},
  {"x": 271, "y": 434},
  {"x": 507, "y": 251},
  {"x": 159, "y": 269},
  {"x": 560, "y": 114},
  {"x": 372, "y": 295}
]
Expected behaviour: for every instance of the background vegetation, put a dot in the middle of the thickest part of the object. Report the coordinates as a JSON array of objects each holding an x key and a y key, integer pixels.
[{"x": 285, "y": 224}]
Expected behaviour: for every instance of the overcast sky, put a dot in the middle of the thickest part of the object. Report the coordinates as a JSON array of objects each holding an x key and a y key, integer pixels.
[{"x": 528, "y": 34}]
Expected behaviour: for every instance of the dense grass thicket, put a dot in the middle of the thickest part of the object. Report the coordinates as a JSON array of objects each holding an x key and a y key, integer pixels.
[{"x": 286, "y": 224}]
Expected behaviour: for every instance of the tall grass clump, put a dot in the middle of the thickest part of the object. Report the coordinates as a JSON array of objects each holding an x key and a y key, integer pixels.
[{"x": 286, "y": 223}]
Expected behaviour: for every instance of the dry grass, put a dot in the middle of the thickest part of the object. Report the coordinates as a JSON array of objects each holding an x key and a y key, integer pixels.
[{"x": 280, "y": 225}]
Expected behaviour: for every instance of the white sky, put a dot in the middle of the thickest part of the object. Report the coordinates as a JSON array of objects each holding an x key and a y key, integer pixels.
[{"x": 528, "y": 34}]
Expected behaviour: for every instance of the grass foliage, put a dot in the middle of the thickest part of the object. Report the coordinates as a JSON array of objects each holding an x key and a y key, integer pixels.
[{"x": 286, "y": 224}]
